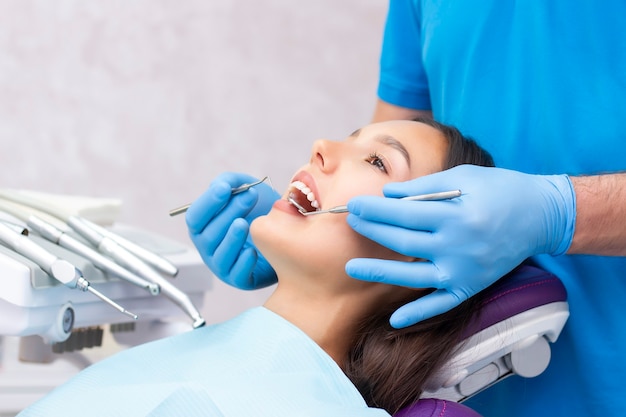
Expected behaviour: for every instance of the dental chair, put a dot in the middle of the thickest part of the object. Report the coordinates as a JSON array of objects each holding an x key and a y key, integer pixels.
[{"x": 523, "y": 313}]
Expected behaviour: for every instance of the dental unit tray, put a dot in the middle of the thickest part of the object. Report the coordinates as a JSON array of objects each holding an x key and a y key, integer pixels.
[{"x": 32, "y": 303}]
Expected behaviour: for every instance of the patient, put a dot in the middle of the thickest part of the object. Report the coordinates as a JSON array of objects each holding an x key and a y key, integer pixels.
[{"x": 320, "y": 345}]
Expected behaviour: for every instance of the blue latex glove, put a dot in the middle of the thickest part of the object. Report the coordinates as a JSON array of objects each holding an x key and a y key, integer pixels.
[
  {"x": 502, "y": 218},
  {"x": 218, "y": 224}
]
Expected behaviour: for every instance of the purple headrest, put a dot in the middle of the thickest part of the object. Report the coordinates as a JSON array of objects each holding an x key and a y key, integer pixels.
[
  {"x": 431, "y": 407},
  {"x": 524, "y": 288}
]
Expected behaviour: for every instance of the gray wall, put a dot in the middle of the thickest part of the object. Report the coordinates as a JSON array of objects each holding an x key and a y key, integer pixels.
[{"x": 148, "y": 100}]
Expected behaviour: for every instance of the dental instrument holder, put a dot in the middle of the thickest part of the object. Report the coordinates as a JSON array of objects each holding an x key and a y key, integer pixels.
[
  {"x": 59, "y": 237},
  {"x": 234, "y": 191},
  {"x": 444, "y": 195},
  {"x": 127, "y": 259},
  {"x": 59, "y": 269},
  {"x": 49, "y": 331}
]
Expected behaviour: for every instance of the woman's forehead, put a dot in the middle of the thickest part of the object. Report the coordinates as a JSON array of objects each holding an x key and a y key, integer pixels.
[
  {"x": 415, "y": 136},
  {"x": 407, "y": 128}
]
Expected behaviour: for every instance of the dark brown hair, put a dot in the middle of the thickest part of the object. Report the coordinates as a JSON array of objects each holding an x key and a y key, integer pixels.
[{"x": 391, "y": 366}]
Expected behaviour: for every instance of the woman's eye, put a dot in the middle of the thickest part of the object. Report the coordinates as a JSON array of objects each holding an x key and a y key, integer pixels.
[{"x": 377, "y": 161}]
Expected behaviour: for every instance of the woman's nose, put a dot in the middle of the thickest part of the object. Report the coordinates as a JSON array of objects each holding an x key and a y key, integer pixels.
[{"x": 325, "y": 154}]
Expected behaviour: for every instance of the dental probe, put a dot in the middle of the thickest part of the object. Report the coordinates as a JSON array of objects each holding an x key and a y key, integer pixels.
[
  {"x": 59, "y": 269},
  {"x": 122, "y": 256},
  {"x": 57, "y": 236},
  {"x": 234, "y": 191},
  {"x": 51, "y": 209},
  {"x": 443, "y": 195}
]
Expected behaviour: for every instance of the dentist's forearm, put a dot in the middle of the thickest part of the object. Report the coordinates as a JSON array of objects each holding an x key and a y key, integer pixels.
[{"x": 600, "y": 215}]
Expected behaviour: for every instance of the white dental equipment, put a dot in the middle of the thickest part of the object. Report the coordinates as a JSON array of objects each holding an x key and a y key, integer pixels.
[
  {"x": 237, "y": 190},
  {"x": 124, "y": 257},
  {"x": 59, "y": 269},
  {"x": 48, "y": 331},
  {"x": 56, "y": 235},
  {"x": 126, "y": 254},
  {"x": 153, "y": 259},
  {"x": 444, "y": 195}
]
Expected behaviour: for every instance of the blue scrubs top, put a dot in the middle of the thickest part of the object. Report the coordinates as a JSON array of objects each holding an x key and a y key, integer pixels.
[
  {"x": 257, "y": 364},
  {"x": 542, "y": 86}
]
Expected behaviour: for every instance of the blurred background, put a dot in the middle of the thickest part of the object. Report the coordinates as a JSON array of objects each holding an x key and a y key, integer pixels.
[{"x": 147, "y": 101}]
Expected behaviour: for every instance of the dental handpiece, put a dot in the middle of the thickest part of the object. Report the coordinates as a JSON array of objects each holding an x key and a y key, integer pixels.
[
  {"x": 59, "y": 269},
  {"x": 57, "y": 236},
  {"x": 157, "y": 261},
  {"x": 122, "y": 256},
  {"x": 151, "y": 258},
  {"x": 234, "y": 191}
]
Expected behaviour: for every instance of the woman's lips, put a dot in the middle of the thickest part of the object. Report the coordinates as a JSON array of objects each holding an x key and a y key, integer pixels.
[{"x": 286, "y": 206}]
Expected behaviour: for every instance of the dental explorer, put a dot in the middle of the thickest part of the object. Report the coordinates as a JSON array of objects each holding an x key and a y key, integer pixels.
[
  {"x": 127, "y": 259},
  {"x": 59, "y": 269},
  {"x": 443, "y": 195},
  {"x": 234, "y": 191}
]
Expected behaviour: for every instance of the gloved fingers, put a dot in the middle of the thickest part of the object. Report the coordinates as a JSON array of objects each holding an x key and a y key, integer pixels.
[
  {"x": 266, "y": 198},
  {"x": 229, "y": 248},
  {"x": 263, "y": 275},
  {"x": 266, "y": 194},
  {"x": 405, "y": 274},
  {"x": 416, "y": 215},
  {"x": 213, "y": 200},
  {"x": 216, "y": 209},
  {"x": 205, "y": 207},
  {"x": 409, "y": 242},
  {"x": 428, "y": 306},
  {"x": 236, "y": 179},
  {"x": 241, "y": 275},
  {"x": 451, "y": 179},
  {"x": 252, "y": 271}
]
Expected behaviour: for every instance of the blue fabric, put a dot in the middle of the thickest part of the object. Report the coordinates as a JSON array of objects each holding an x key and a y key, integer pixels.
[
  {"x": 541, "y": 85},
  {"x": 257, "y": 364}
]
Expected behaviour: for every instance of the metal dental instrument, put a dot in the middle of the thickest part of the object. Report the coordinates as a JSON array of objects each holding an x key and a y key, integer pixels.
[
  {"x": 59, "y": 269},
  {"x": 234, "y": 191},
  {"x": 444, "y": 195},
  {"x": 124, "y": 257},
  {"x": 57, "y": 236},
  {"x": 151, "y": 258}
]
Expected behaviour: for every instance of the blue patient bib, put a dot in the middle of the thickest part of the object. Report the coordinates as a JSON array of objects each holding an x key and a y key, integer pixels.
[{"x": 257, "y": 364}]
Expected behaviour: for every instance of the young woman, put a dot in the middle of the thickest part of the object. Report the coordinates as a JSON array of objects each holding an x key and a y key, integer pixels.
[{"x": 319, "y": 345}]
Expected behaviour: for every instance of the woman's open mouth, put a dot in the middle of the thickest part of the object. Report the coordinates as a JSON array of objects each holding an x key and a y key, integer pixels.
[{"x": 302, "y": 197}]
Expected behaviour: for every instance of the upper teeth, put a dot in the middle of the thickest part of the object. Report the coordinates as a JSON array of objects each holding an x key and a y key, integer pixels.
[{"x": 300, "y": 186}]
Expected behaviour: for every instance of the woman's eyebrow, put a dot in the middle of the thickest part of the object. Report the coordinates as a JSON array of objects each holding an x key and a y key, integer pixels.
[{"x": 395, "y": 144}]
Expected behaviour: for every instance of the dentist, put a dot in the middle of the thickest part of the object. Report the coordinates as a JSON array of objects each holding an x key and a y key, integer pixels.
[{"x": 542, "y": 86}]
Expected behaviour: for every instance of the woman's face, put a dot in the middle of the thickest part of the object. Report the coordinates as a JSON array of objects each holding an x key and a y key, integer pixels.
[{"x": 320, "y": 245}]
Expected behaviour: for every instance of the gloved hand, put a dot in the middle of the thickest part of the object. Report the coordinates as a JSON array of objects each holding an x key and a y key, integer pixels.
[
  {"x": 468, "y": 243},
  {"x": 218, "y": 224}
]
